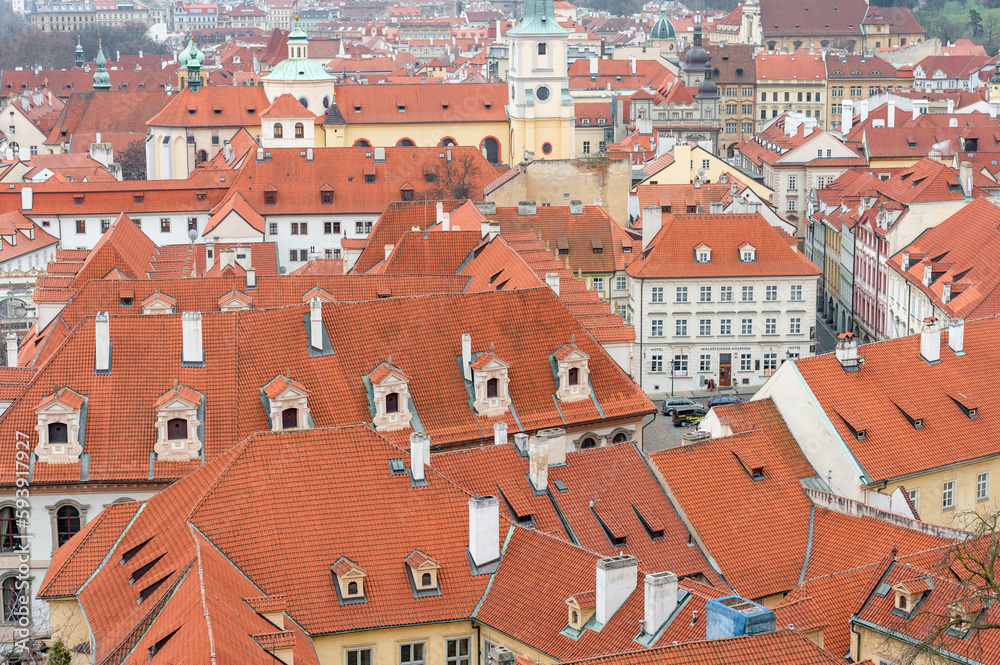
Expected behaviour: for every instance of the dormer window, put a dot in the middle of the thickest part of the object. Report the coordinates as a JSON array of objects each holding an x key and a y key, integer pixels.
[
  {"x": 288, "y": 403},
  {"x": 573, "y": 373},
  {"x": 423, "y": 572},
  {"x": 234, "y": 301},
  {"x": 177, "y": 422},
  {"x": 349, "y": 581},
  {"x": 581, "y": 607},
  {"x": 747, "y": 253},
  {"x": 703, "y": 254},
  {"x": 58, "y": 427},
  {"x": 490, "y": 384},
  {"x": 390, "y": 396},
  {"x": 909, "y": 593}
]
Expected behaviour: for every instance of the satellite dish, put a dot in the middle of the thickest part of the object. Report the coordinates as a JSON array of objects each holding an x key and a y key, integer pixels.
[
  {"x": 192, "y": 234},
  {"x": 701, "y": 172},
  {"x": 282, "y": 270}
]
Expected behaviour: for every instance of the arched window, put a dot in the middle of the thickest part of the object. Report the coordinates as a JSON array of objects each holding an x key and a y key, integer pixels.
[
  {"x": 589, "y": 442},
  {"x": 12, "y": 599},
  {"x": 621, "y": 437},
  {"x": 9, "y": 531},
  {"x": 290, "y": 418},
  {"x": 278, "y": 130},
  {"x": 576, "y": 617},
  {"x": 574, "y": 376},
  {"x": 902, "y": 602},
  {"x": 404, "y": 143},
  {"x": 392, "y": 403},
  {"x": 202, "y": 156},
  {"x": 300, "y": 130},
  {"x": 447, "y": 141},
  {"x": 352, "y": 588},
  {"x": 304, "y": 102},
  {"x": 542, "y": 48},
  {"x": 58, "y": 433},
  {"x": 492, "y": 386},
  {"x": 425, "y": 580},
  {"x": 67, "y": 524},
  {"x": 362, "y": 143},
  {"x": 491, "y": 150},
  {"x": 177, "y": 429}
]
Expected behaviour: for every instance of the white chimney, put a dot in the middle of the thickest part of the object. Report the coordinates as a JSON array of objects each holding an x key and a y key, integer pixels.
[
  {"x": 484, "y": 529},
  {"x": 660, "y": 600},
  {"x": 521, "y": 443},
  {"x": 499, "y": 433},
  {"x": 191, "y": 351},
  {"x": 956, "y": 336},
  {"x": 552, "y": 279},
  {"x": 209, "y": 254},
  {"x": 965, "y": 173},
  {"x": 316, "y": 323},
  {"x": 847, "y": 116},
  {"x": 251, "y": 278},
  {"x": 576, "y": 207},
  {"x": 102, "y": 344},
  {"x": 388, "y": 250},
  {"x": 26, "y": 198},
  {"x": 863, "y": 107},
  {"x": 953, "y": 122},
  {"x": 890, "y": 113},
  {"x": 420, "y": 454},
  {"x": 928, "y": 272},
  {"x": 945, "y": 290},
  {"x": 847, "y": 352},
  {"x": 617, "y": 577},
  {"x": 633, "y": 65},
  {"x": 930, "y": 341},
  {"x": 538, "y": 464},
  {"x": 951, "y": 106},
  {"x": 467, "y": 356},
  {"x": 11, "y": 349},
  {"x": 993, "y": 110},
  {"x": 652, "y": 219},
  {"x": 905, "y": 261},
  {"x": 593, "y": 66}
]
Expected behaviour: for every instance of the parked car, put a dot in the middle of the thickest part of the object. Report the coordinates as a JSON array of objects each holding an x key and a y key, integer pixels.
[
  {"x": 688, "y": 415},
  {"x": 672, "y": 403},
  {"x": 723, "y": 400}
]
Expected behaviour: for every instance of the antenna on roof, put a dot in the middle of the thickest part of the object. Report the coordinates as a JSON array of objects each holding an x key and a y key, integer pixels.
[
  {"x": 572, "y": 338},
  {"x": 390, "y": 359}
]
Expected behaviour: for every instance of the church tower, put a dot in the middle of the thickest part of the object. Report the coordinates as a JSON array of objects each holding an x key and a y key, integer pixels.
[
  {"x": 751, "y": 30},
  {"x": 79, "y": 54},
  {"x": 539, "y": 106},
  {"x": 189, "y": 73},
  {"x": 102, "y": 80}
]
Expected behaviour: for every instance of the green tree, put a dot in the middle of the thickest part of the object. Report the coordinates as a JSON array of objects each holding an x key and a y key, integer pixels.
[
  {"x": 60, "y": 655},
  {"x": 975, "y": 22}
]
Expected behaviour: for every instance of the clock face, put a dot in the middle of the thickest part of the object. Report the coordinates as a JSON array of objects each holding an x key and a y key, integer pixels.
[{"x": 542, "y": 93}]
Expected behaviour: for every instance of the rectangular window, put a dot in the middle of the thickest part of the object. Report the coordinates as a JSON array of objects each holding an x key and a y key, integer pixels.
[
  {"x": 770, "y": 326},
  {"x": 586, "y": 147},
  {"x": 948, "y": 495},
  {"x": 748, "y": 294},
  {"x": 359, "y": 657},
  {"x": 359, "y": 227},
  {"x": 682, "y": 294},
  {"x": 368, "y": 227},
  {"x": 192, "y": 223},
  {"x": 983, "y": 486},
  {"x": 270, "y": 198},
  {"x": 771, "y": 292},
  {"x": 411, "y": 654},
  {"x": 746, "y": 327},
  {"x": 791, "y": 204},
  {"x": 725, "y": 326},
  {"x": 792, "y": 182},
  {"x": 705, "y": 363},
  {"x": 656, "y": 363},
  {"x": 795, "y": 325},
  {"x": 770, "y": 363},
  {"x": 326, "y": 198},
  {"x": 336, "y": 253},
  {"x": 293, "y": 255},
  {"x": 680, "y": 365},
  {"x": 327, "y": 253},
  {"x": 725, "y": 294},
  {"x": 656, "y": 328},
  {"x": 746, "y": 362},
  {"x": 105, "y": 225},
  {"x": 657, "y": 294},
  {"x": 458, "y": 652},
  {"x": 598, "y": 284},
  {"x": 621, "y": 283},
  {"x": 81, "y": 226},
  {"x": 164, "y": 225},
  {"x": 681, "y": 327},
  {"x": 796, "y": 292},
  {"x": 704, "y": 327},
  {"x": 705, "y": 294},
  {"x": 272, "y": 228}
]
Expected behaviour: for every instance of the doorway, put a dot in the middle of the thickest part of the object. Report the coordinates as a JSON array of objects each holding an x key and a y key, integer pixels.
[{"x": 725, "y": 369}]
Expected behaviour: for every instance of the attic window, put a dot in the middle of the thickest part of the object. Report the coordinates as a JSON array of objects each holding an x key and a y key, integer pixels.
[
  {"x": 854, "y": 424},
  {"x": 563, "y": 244},
  {"x": 397, "y": 467},
  {"x": 126, "y": 301},
  {"x": 326, "y": 198},
  {"x": 142, "y": 570},
  {"x": 251, "y": 111},
  {"x": 911, "y": 413},
  {"x": 401, "y": 108},
  {"x": 270, "y": 198},
  {"x": 654, "y": 527},
  {"x": 487, "y": 105},
  {"x": 357, "y": 108},
  {"x": 217, "y": 111},
  {"x": 968, "y": 405},
  {"x": 78, "y": 199},
  {"x": 614, "y": 530},
  {"x": 444, "y": 105},
  {"x": 132, "y": 552},
  {"x": 748, "y": 254},
  {"x": 159, "y": 644},
  {"x": 177, "y": 423},
  {"x": 192, "y": 111},
  {"x": 151, "y": 589}
]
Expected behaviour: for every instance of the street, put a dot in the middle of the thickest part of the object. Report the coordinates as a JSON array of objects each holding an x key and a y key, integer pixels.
[{"x": 826, "y": 339}]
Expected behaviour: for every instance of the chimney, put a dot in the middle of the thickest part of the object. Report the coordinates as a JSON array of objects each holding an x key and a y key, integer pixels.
[
  {"x": 552, "y": 279},
  {"x": 251, "y": 278},
  {"x": 521, "y": 443},
  {"x": 633, "y": 65},
  {"x": 847, "y": 352},
  {"x": 554, "y": 438},
  {"x": 652, "y": 219},
  {"x": 209, "y": 254},
  {"x": 11, "y": 349},
  {"x": 420, "y": 455},
  {"x": 965, "y": 177},
  {"x": 316, "y": 323},
  {"x": 500, "y": 656},
  {"x": 499, "y": 433},
  {"x": 945, "y": 290},
  {"x": 930, "y": 341},
  {"x": 863, "y": 106},
  {"x": 953, "y": 122},
  {"x": 616, "y": 580},
  {"x": 593, "y": 66},
  {"x": 715, "y": 207},
  {"x": 526, "y": 208},
  {"x": 484, "y": 530},
  {"x": 26, "y": 198},
  {"x": 192, "y": 351},
  {"x": 660, "y": 600},
  {"x": 467, "y": 356},
  {"x": 102, "y": 344},
  {"x": 993, "y": 110},
  {"x": 576, "y": 207},
  {"x": 956, "y": 336},
  {"x": 905, "y": 261},
  {"x": 951, "y": 106},
  {"x": 388, "y": 250},
  {"x": 890, "y": 114},
  {"x": 538, "y": 464},
  {"x": 928, "y": 272},
  {"x": 494, "y": 229}
]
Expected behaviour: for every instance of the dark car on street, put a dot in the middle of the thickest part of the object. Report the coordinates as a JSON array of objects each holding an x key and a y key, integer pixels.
[
  {"x": 671, "y": 404},
  {"x": 723, "y": 400}
]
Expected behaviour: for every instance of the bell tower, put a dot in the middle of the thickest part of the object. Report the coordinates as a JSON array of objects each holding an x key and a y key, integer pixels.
[{"x": 538, "y": 101}]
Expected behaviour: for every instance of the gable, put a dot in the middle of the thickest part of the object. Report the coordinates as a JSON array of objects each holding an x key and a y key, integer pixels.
[{"x": 233, "y": 225}]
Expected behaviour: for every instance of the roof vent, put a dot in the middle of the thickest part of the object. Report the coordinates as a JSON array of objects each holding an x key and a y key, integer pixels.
[{"x": 847, "y": 352}]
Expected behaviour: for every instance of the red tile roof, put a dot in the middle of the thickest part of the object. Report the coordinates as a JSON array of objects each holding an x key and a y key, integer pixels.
[
  {"x": 213, "y": 106},
  {"x": 286, "y": 106},
  {"x": 457, "y": 102},
  {"x": 800, "y": 66},
  {"x": 792, "y": 18}
]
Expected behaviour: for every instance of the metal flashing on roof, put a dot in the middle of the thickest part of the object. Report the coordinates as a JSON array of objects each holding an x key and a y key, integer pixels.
[
  {"x": 397, "y": 467},
  {"x": 560, "y": 485}
]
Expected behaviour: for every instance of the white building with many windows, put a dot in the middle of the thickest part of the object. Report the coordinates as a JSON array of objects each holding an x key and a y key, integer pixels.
[{"x": 720, "y": 298}]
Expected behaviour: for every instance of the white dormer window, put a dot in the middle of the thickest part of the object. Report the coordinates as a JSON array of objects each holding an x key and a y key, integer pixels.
[
  {"x": 490, "y": 384},
  {"x": 423, "y": 571},
  {"x": 58, "y": 427},
  {"x": 350, "y": 581},
  {"x": 573, "y": 373},
  {"x": 177, "y": 423},
  {"x": 234, "y": 301},
  {"x": 289, "y": 403},
  {"x": 159, "y": 303},
  {"x": 747, "y": 253},
  {"x": 391, "y": 397},
  {"x": 703, "y": 253}
]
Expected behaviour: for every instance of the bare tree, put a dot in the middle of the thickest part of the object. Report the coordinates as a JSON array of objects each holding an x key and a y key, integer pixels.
[
  {"x": 133, "y": 160},
  {"x": 456, "y": 178}
]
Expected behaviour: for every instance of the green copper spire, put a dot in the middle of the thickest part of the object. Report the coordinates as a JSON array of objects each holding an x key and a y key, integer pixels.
[
  {"x": 79, "y": 53},
  {"x": 191, "y": 59},
  {"x": 102, "y": 80},
  {"x": 539, "y": 19}
]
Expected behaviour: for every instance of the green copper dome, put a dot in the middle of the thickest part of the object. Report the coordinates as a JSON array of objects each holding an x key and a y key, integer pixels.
[
  {"x": 539, "y": 19},
  {"x": 192, "y": 55},
  {"x": 298, "y": 68},
  {"x": 102, "y": 80},
  {"x": 79, "y": 47},
  {"x": 663, "y": 29}
]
